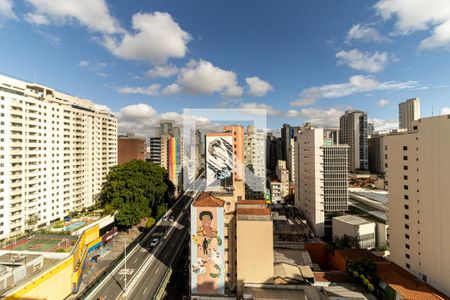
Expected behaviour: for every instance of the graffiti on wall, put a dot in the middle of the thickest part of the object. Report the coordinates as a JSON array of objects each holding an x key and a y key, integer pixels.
[
  {"x": 219, "y": 159},
  {"x": 207, "y": 250}
]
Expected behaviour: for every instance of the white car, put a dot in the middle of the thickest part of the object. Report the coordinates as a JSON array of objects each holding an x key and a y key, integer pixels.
[
  {"x": 171, "y": 219},
  {"x": 154, "y": 242},
  {"x": 165, "y": 219}
]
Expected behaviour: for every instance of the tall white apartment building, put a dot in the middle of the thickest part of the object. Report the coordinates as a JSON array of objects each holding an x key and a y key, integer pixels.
[
  {"x": 255, "y": 161},
  {"x": 55, "y": 153},
  {"x": 322, "y": 179},
  {"x": 408, "y": 112},
  {"x": 418, "y": 174}
]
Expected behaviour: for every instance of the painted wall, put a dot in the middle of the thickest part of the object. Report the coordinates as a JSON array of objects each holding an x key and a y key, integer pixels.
[
  {"x": 219, "y": 160},
  {"x": 53, "y": 284},
  {"x": 207, "y": 251}
]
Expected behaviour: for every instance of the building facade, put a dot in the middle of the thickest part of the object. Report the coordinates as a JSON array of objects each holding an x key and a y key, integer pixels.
[
  {"x": 353, "y": 132},
  {"x": 130, "y": 147},
  {"x": 322, "y": 179},
  {"x": 55, "y": 153},
  {"x": 255, "y": 163},
  {"x": 408, "y": 112},
  {"x": 362, "y": 230},
  {"x": 418, "y": 175}
]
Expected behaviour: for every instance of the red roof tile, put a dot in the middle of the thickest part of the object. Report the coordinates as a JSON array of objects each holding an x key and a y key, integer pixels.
[{"x": 206, "y": 199}]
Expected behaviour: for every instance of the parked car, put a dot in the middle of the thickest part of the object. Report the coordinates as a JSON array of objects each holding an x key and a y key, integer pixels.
[
  {"x": 165, "y": 219},
  {"x": 171, "y": 219},
  {"x": 154, "y": 242}
]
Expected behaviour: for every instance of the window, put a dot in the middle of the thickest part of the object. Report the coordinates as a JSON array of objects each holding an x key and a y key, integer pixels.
[
  {"x": 407, "y": 255},
  {"x": 406, "y": 206},
  {"x": 405, "y": 187},
  {"x": 405, "y": 148},
  {"x": 407, "y": 236},
  {"x": 405, "y": 177},
  {"x": 406, "y": 246},
  {"x": 405, "y": 167},
  {"x": 405, "y": 157},
  {"x": 406, "y": 197},
  {"x": 407, "y": 217},
  {"x": 406, "y": 226},
  {"x": 408, "y": 266}
]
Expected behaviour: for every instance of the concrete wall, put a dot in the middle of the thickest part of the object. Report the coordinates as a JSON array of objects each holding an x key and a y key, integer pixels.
[{"x": 254, "y": 251}]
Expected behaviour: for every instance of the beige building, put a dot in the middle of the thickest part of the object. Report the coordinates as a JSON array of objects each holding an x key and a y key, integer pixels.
[
  {"x": 418, "y": 175},
  {"x": 55, "y": 153},
  {"x": 353, "y": 132},
  {"x": 255, "y": 256},
  {"x": 408, "y": 112}
]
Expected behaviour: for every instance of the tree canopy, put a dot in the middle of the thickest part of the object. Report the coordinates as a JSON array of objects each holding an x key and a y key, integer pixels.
[{"x": 134, "y": 189}]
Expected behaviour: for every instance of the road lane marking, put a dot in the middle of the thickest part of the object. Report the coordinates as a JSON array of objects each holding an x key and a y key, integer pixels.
[
  {"x": 157, "y": 269},
  {"x": 145, "y": 290}
]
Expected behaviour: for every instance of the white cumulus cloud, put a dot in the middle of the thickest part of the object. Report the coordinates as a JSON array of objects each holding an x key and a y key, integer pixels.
[
  {"x": 419, "y": 15},
  {"x": 157, "y": 38},
  {"x": 259, "y": 108},
  {"x": 36, "y": 19},
  {"x": 325, "y": 118},
  {"x": 258, "y": 87},
  {"x": 94, "y": 14},
  {"x": 163, "y": 71},
  {"x": 445, "y": 111},
  {"x": 151, "y": 90},
  {"x": 383, "y": 102},
  {"x": 6, "y": 10},
  {"x": 355, "y": 85},
  {"x": 363, "y": 61},
  {"x": 364, "y": 33},
  {"x": 202, "y": 77}
]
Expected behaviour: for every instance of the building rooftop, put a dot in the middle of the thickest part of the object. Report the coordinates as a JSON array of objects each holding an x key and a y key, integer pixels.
[
  {"x": 353, "y": 220},
  {"x": 405, "y": 284},
  {"x": 251, "y": 202},
  {"x": 207, "y": 199},
  {"x": 293, "y": 257}
]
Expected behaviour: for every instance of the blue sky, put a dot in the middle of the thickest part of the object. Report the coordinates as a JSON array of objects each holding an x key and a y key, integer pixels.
[{"x": 302, "y": 60}]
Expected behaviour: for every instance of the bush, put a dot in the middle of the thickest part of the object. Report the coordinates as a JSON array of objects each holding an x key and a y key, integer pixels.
[{"x": 150, "y": 223}]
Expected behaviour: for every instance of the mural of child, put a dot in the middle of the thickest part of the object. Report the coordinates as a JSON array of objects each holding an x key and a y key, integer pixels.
[{"x": 207, "y": 242}]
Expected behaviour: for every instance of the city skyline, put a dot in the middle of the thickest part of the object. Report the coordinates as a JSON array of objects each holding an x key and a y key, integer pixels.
[{"x": 209, "y": 55}]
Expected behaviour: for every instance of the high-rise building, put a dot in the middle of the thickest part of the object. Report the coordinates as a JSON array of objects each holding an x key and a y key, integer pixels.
[
  {"x": 322, "y": 179},
  {"x": 130, "y": 147},
  {"x": 55, "y": 153},
  {"x": 193, "y": 159},
  {"x": 238, "y": 150},
  {"x": 418, "y": 175},
  {"x": 377, "y": 151},
  {"x": 271, "y": 151},
  {"x": 255, "y": 162},
  {"x": 167, "y": 150},
  {"x": 353, "y": 132},
  {"x": 288, "y": 133},
  {"x": 155, "y": 150},
  {"x": 408, "y": 112}
]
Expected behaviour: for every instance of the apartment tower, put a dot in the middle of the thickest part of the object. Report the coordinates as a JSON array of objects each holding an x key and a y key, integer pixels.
[
  {"x": 418, "y": 175},
  {"x": 55, "y": 153},
  {"x": 408, "y": 112}
]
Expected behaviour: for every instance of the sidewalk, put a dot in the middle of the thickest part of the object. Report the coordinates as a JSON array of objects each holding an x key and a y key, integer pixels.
[{"x": 108, "y": 253}]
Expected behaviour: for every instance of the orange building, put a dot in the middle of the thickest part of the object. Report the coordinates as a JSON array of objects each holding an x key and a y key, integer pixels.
[
  {"x": 130, "y": 147},
  {"x": 238, "y": 150}
]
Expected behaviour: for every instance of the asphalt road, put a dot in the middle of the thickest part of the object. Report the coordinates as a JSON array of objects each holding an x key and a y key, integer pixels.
[{"x": 146, "y": 265}]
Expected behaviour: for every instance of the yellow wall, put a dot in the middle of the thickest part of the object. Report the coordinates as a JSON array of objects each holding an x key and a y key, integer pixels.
[
  {"x": 53, "y": 284},
  {"x": 57, "y": 282}
]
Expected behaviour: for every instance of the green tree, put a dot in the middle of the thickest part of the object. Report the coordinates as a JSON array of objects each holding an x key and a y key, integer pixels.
[
  {"x": 150, "y": 223},
  {"x": 134, "y": 189},
  {"x": 160, "y": 211}
]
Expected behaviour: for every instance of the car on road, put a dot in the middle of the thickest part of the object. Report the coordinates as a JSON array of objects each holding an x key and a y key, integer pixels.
[
  {"x": 165, "y": 219},
  {"x": 171, "y": 219},
  {"x": 154, "y": 242}
]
